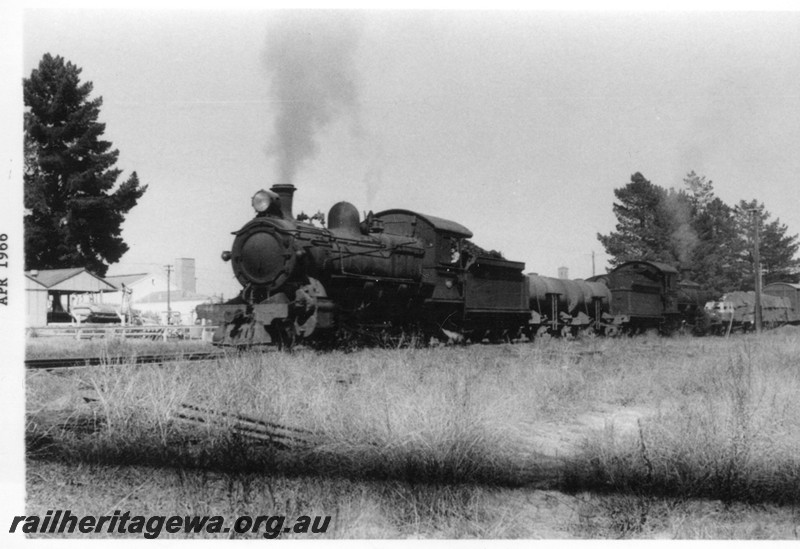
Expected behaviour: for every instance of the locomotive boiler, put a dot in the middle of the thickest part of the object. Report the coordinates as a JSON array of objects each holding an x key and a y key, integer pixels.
[{"x": 394, "y": 271}]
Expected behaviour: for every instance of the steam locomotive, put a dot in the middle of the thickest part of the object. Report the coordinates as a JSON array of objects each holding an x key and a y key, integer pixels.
[
  {"x": 399, "y": 272},
  {"x": 396, "y": 271}
]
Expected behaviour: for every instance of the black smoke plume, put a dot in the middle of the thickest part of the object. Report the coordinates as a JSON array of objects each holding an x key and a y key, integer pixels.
[{"x": 310, "y": 58}]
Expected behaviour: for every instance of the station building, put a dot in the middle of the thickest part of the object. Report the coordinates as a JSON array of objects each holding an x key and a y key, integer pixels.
[{"x": 52, "y": 294}]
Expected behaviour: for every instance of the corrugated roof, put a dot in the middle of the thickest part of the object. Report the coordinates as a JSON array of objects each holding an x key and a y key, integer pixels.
[
  {"x": 748, "y": 299},
  {"x": 793, "y": 285},
  {"x": 660, "y": 266},
  {"x": 53, "y": 277},
  {"x": 119, "y": 280}
]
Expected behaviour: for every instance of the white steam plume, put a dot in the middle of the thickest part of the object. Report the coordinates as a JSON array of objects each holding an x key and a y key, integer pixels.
[{"x": 683, "y": 237}]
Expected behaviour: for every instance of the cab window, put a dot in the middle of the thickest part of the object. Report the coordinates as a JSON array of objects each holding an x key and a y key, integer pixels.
[{"x": 449, "y": 251}]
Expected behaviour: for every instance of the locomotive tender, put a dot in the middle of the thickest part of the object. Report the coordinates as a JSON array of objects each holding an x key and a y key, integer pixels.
[{"x": 647, "y": 295}]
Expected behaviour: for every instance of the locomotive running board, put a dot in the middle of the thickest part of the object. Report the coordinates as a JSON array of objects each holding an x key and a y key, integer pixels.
[{"x": 221, "y": 313}]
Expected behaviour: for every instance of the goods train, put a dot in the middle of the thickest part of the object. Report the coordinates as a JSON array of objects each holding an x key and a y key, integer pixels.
[
  {"x": 399, "y": 272},
  {"x": 780, "y": 304}
]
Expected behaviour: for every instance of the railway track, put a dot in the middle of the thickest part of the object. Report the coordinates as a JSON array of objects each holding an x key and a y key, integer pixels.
[{"x": 80, "y": 362}]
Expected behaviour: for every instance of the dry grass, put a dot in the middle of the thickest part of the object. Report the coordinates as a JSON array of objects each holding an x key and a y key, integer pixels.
[
  {"x": 729, "y": 429},
  {"x": 377, "y": 414},
  {"x": 430, "y": 442}
]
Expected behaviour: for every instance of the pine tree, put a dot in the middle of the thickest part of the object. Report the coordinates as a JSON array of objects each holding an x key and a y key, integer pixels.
[
  {"x": 777, "y": 250},
  {"x": 715, "y": 259},
  {"x": 698, "y": 233},
  {"x": 72, "y": 218},
  {"x": 641, "y": 231},
  {"x": 700, "y": 190}
]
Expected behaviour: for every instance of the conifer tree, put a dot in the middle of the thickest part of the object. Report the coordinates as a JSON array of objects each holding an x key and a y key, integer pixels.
[
  {"x": 695, "y": 231},
  {"x": 777, "y": 250},
  {"x": 73, "y": 214},
  {"x": 640, "y": 233}
]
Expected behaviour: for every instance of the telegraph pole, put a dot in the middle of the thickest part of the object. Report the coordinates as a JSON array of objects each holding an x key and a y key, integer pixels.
[
  {"x": 757, "y": 268},
  {"x": 169, "y": 305},
  {"x": 592, "y": 262}
]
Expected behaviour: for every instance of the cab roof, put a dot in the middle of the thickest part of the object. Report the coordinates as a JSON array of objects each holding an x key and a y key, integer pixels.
[
  {"x": 659, "y": 266},
  {"x": 444, "y": 225}
]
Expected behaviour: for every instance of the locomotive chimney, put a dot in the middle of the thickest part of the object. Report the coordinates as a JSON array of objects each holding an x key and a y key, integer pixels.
[{"x": 285, "y": 191}]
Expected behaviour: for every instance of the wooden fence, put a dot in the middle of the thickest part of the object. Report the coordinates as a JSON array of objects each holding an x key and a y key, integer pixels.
[{"x": 154, "y": 332}]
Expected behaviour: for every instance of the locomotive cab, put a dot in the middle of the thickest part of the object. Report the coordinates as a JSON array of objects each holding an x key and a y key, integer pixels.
[{"x": 468, "y": 292}]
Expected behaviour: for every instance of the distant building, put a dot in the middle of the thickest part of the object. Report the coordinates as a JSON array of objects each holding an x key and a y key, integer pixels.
[
  {"x": 152, "y": 296},
  {"x": 184, "y": 274},
  {"x": 563, "y": 272},
  {"x": 141, "y": 284},
  {"x": 182, "y": 304},
  {"x": 52, "y": 294}
]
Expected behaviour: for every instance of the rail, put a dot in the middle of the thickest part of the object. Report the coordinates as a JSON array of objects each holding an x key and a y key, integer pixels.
[
  {"x": 283, "y": 436},
  {"x": 78, "y": 362}
]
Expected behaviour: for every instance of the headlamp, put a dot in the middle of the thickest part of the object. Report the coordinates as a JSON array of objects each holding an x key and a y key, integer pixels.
[{"x": 262, "y": 199}]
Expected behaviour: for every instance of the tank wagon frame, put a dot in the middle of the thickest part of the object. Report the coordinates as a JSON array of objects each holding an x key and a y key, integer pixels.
[{"x": 565, "y": 307}]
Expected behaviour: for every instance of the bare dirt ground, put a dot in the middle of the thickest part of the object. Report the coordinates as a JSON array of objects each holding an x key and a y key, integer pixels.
[{"x": 557, "y": 441}]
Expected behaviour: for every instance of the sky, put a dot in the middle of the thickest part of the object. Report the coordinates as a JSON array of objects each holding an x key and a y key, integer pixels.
[{"x": 516, "y": 124}]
